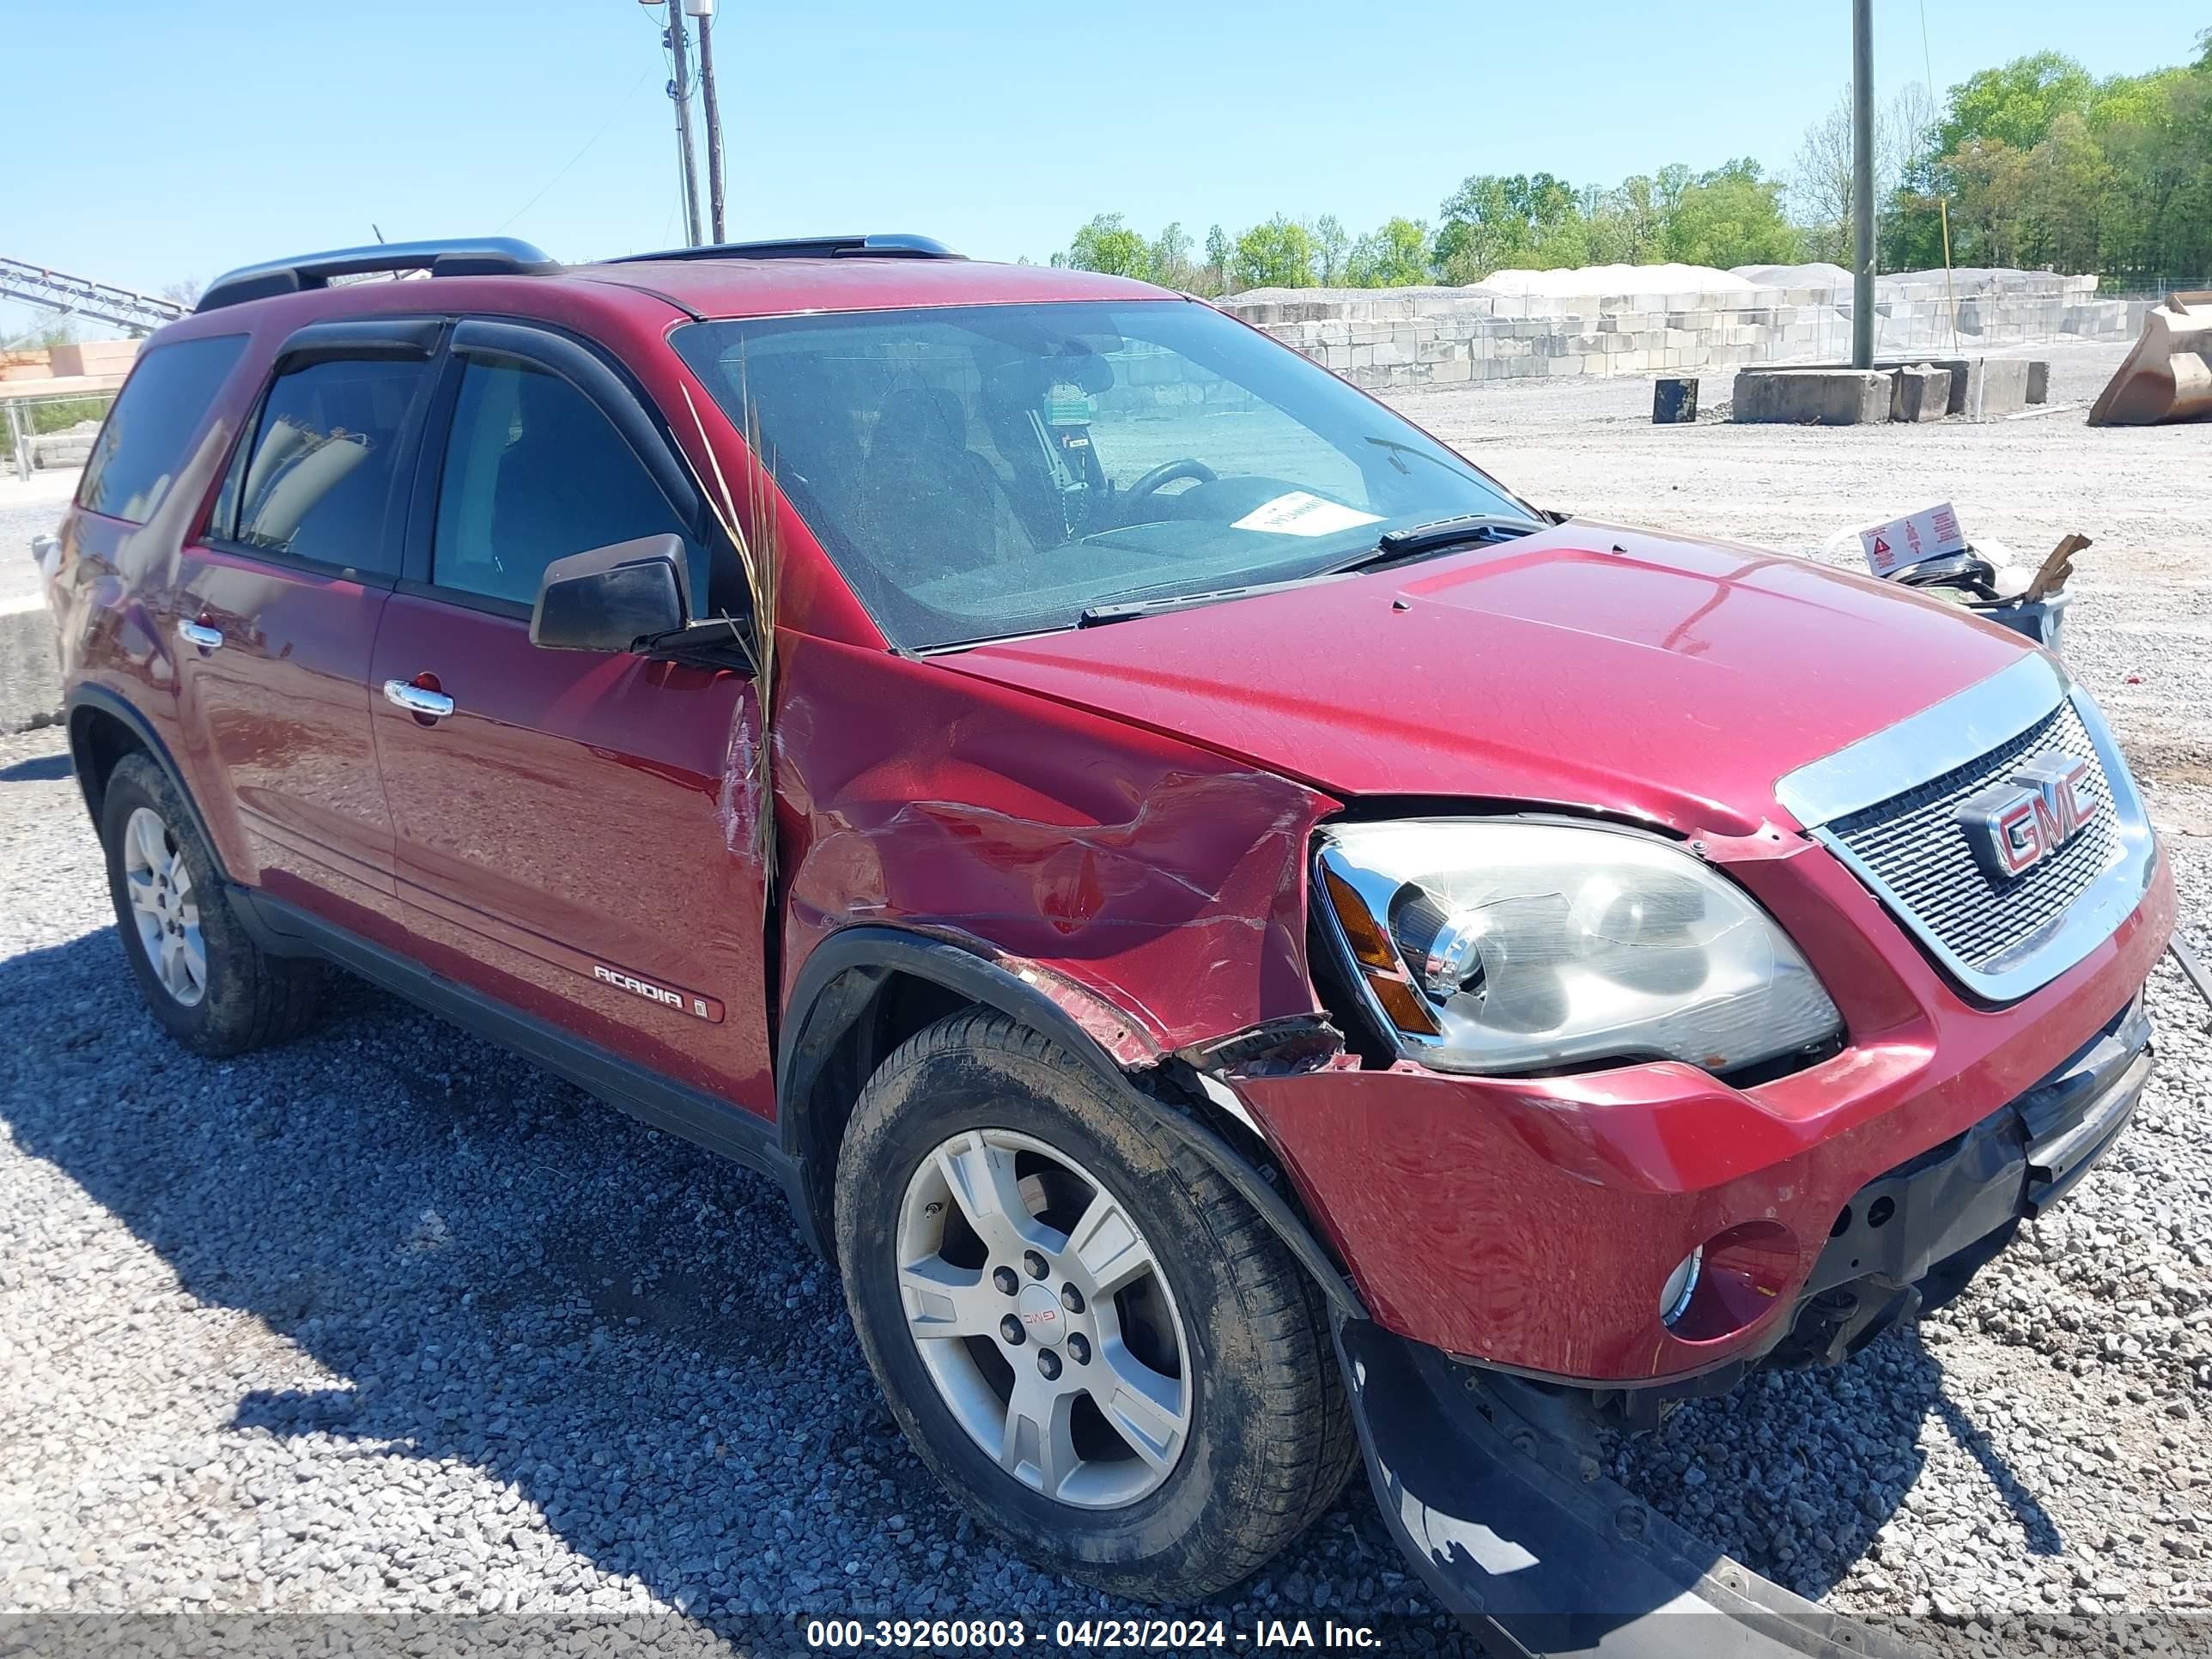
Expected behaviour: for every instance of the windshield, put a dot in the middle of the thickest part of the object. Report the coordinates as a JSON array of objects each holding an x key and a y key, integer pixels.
[{"x": 989, "y": 470}]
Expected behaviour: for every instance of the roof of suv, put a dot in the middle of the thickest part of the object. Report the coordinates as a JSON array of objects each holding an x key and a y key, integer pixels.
[
  {"x": 737, "y": 287},
  {"x": 750, "y": 279}
]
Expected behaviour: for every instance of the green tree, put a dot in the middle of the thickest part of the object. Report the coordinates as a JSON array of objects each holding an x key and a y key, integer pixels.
[
  {"x": 1277, "y": 254},
  {"x": 1625, "y": 224},
  {"x": 2017, "y": 103},
  {"x": 1108, "y": 245},
  {"x": 1169, "y": 259},
  {"x": 1731, "y": 216},
  {"x": 1331, "y": 248},
  {"x": 1495, "y": 222},
  {"x": 1219, "y": 250},
  {"x": 1395, "y": 255}
]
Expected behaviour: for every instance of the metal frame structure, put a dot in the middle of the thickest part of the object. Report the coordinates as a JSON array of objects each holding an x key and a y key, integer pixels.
[{"x": 80, "y": 296}]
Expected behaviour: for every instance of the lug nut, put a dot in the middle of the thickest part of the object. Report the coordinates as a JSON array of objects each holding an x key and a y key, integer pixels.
[
  {"x": 1035, "y": 1263},
  {"x": 1070, "y": 1299},
  {"x": 1010, "y": 1328},
  {"x": 1004, "y": 1279},
  {"x": 1049, "y": 1362},
  {"x": 1079, "y": 1346}
]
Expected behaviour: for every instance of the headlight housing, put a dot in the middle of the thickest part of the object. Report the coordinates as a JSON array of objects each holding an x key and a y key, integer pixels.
[{"x": 1509, "y": 945}]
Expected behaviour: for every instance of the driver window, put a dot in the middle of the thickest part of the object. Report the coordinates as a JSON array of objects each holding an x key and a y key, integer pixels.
[{"x": 534, "y": 472}]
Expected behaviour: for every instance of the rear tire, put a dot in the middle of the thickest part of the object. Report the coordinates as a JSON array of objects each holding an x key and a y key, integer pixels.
[
  {"x": 1212, "y": 1367},
  {"x": 204, "y": 980}
]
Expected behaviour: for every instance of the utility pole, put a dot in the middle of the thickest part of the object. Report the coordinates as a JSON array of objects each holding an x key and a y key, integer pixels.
[
  {"x": 704, "y": 11},
  {"x": 679, "y": 90},
  {"x": 1863, "y": 184}
]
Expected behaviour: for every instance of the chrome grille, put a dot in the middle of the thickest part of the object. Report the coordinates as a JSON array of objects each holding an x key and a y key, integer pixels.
[{"x": 1913, "y": 845}]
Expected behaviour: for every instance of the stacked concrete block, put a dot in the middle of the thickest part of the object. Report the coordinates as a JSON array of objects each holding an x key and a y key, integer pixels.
[{"x": 1415, "y": 336}]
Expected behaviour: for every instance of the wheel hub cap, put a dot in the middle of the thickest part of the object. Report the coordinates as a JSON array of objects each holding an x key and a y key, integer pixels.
[
  {"x": 1093, "y": 1407},
  {"x": 1041, "y": 1316},
  {"x": 163, "y": 907}
]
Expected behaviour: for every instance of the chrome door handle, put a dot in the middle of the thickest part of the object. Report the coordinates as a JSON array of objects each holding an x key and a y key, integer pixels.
[
  {"x": 435, "y": 705},
  {"x": 199, "y": 633}
]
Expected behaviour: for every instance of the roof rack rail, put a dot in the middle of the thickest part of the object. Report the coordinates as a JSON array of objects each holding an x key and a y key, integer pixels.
[
  {"x": 897, "y": 244},
  {"x": 471, "y": 256}
]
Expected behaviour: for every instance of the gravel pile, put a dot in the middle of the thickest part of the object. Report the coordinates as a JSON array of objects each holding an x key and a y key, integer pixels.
[{"x": 389, "y": 1322}]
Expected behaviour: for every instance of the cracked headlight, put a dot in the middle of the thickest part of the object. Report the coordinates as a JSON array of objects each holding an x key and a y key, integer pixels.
[{"x": 1512, "y": 945}]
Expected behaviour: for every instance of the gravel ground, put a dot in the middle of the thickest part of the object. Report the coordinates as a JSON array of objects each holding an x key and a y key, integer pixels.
[{"x": 388, "y": 1321}]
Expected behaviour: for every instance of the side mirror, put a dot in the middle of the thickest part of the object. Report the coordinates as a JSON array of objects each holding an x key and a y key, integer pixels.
[{"x": 608, "y": 598}]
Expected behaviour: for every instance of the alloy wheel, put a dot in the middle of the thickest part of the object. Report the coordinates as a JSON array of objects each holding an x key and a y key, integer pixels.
[
  {"x": 164, "y": 907},
  {"x": 1044, "y": 1319}
]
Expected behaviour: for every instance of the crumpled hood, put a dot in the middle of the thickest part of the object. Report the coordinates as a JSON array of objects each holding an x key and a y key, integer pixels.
[{"x": 1586, "y": 666}]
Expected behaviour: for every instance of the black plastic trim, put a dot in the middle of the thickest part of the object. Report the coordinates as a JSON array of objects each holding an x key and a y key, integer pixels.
[
  {"x": 387, "y": 339},
  {"x": 483, "y": 256},
  {"x": 285, "y": 929},
  {"x": 108, "y": 703},
  {"x": 873, "y": 952},
  {"x": 1518, "y": 1531},
  {"x": 887, "y": 244}
]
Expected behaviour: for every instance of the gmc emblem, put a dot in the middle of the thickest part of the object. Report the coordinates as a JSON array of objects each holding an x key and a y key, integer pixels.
[{"x": 2014, "y": 825}]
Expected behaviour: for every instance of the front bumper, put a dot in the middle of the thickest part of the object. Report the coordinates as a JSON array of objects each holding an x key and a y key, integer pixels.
[
  {"x": 1529, "y": 1224},
  {"x": 1946, "y": 1212},
  {"x": 1516, "y": 1529}
]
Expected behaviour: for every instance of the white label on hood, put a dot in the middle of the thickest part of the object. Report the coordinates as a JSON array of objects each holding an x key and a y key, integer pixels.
[{"x": 1300, "y": 515}]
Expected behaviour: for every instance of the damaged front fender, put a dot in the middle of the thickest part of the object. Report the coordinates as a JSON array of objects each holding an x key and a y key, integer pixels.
[{"x": 1152, "y": 889}]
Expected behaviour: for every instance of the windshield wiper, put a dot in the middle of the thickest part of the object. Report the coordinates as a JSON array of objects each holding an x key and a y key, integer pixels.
[
  {"x": 1124, "y": 610},
  {"x": 1435, "y": 536}
]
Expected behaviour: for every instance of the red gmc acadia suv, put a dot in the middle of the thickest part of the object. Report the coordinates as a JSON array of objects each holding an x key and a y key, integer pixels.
[{"x": 1249, "y": 943}]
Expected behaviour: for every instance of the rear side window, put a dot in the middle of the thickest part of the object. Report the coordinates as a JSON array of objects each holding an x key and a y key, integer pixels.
[
  {"x": 317, "y": 483},
  {"x": 142, "y": 444},
  {"x": 534, "y": 472}
]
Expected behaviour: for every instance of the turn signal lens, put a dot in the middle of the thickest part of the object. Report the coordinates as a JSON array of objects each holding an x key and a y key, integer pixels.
[{"x": 1377, "y": 958}]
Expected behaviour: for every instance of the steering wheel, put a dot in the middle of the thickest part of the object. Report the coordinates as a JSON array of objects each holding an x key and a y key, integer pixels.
[{"x": 1168, "y": 473}]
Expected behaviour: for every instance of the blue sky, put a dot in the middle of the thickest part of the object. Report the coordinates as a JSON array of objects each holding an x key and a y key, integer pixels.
[{"x": 188, "y": 138}]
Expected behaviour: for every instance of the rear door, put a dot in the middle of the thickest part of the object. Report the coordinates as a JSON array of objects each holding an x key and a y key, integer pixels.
[
  {"x": 277, "y": 604},
  {"x": 569, "y": 826}
]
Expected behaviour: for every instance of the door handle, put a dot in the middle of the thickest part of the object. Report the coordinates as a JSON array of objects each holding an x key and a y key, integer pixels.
[
  {"x": 199, "y": 633},
  {"x": 431, "y": 705}
]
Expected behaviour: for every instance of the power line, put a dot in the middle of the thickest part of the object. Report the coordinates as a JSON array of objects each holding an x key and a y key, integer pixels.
[{"x": 614, "y": 111}]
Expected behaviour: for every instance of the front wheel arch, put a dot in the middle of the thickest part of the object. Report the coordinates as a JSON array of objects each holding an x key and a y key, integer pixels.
[
  {"x": 102, "y": 729},
  {"x": 866, "y": 989}
]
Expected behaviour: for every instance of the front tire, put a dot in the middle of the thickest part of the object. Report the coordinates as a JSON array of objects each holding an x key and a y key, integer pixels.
[
  {"x": 203, "y": 978},
  {"x": 1158, "y": 1412}
]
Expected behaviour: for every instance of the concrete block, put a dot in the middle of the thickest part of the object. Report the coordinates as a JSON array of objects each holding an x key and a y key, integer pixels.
[
  {"x": 2038, "y": 381},
  {"x": 1919, "y": 393},
  {"x": 30, "y": 668},
  {"x": 1813, "y": 396},
  {"x": 1995, "y": 388}
]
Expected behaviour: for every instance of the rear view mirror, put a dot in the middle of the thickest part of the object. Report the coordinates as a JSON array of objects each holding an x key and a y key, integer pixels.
[{"x": 609, "y": 598}]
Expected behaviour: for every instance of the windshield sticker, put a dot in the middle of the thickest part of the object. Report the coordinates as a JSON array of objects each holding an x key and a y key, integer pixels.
[
  {"x": 1068, "y": 405},
  {"x": 1302, "y": 514}
]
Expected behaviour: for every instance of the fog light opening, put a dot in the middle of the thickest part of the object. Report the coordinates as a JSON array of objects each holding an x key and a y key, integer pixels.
[
  {"x": 1681, "y": 1285},
  {"x": 1732, "y": 1283}
]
